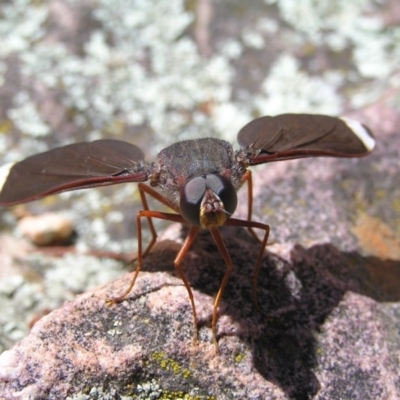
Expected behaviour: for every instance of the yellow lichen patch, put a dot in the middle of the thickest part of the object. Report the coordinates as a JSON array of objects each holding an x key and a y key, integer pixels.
[
  {"x": 180, "y": 395},
  {"x": 170, "y": 364},
  {"x": 396, "y": 205},
  {"x": 381, "y": 194},
  {"x": 239, "y": 357},
  {"x": 268, "y": 211},
  {"x": 377, "y": 238},
  {"x": 6, "y": 126}
]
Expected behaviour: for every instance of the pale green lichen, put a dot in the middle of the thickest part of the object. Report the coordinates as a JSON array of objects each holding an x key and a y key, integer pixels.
[
  {"x": 356, "y": 25},
  {"x": 62, "y": 280},
  {"x": 301, "y": 92},
  {"x": 21, "y": 24},
  {"x": 26, "y": 118},
  {"x": 147, "y": 70}
]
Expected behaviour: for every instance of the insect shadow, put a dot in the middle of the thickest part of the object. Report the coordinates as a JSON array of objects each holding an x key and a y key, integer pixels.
[{"x": 295, "y": 297}]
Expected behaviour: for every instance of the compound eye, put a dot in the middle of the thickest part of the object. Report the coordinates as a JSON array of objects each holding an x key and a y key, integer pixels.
[
  {"x": 191, "y": 197},
  {"x": 224, "y": 189}
]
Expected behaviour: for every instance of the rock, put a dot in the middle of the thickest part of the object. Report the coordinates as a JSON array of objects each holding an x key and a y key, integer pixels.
[
  {"x": 46, "y": 229},
  {"x": 318, "y": 332}
]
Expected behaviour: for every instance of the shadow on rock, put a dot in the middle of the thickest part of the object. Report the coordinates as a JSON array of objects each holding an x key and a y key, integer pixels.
[{"x": 296, "y": 294}]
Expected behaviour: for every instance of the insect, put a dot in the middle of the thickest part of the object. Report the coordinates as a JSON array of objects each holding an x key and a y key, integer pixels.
[{"x": 198, "y": 179}]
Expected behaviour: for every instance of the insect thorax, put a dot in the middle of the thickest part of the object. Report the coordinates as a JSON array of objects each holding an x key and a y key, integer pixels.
[{"x": 190, "y": 158}]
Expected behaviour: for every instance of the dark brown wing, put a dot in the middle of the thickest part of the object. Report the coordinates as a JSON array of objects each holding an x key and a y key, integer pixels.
[
  {"x": 289, "y": 136},
  {"x": 76, "y": 166}
]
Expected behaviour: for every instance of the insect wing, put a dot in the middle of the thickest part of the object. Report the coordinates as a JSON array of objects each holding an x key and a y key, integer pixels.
[
  {"x": 75, "y": 166},
  {"x": 290, "y": 136}
]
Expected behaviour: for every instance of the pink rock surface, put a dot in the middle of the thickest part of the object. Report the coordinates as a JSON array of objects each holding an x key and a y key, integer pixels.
[{"x": 312, "y": 337}]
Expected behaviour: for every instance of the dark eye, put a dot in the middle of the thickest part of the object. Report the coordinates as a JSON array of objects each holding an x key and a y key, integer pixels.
[
  {"x": 224, "y": 189},
  {"x": 191, "y": 197},
  {"x": 194, "y": 191}
]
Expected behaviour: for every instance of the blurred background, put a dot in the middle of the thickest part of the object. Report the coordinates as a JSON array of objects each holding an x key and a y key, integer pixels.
[{"x": 153, "y": 72}]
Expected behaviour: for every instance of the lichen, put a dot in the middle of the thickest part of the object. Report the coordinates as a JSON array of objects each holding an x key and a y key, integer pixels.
[{"x": 169, "y": 364}]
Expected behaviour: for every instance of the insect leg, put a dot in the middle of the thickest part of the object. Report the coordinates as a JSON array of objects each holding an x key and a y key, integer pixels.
[
  {"x": 178, "y": 260},
  {"x": 145, "y": 214},
  {"x": 247, "y": 177},
  {"x": 191, "y": 236},
  {"x": 224, "y": 252},
  {"x": 265, "y": 228},
  {"x": 143, "y": 190}
]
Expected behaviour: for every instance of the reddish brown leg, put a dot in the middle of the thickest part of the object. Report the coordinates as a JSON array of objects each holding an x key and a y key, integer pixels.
[
  {"x": 191, "y": 236},
  {"x": 143, "y": 190},
  {"x": 194, "y": 230},
  {"x": 247, "y": 177},
  {"x": 265, "y": 228},
  {"x": 145, "y": 214},
  {"x": 224, "y": 252}
]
